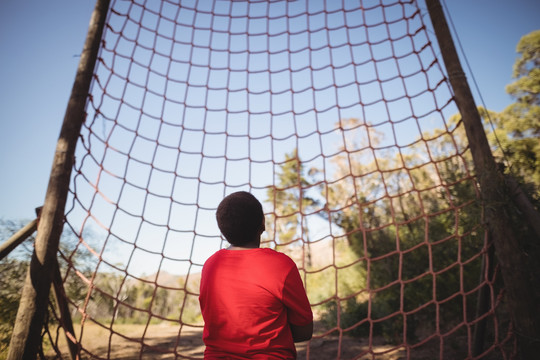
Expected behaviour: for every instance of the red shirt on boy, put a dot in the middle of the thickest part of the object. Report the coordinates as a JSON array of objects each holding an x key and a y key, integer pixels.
[{"x": 248, "y": 298}]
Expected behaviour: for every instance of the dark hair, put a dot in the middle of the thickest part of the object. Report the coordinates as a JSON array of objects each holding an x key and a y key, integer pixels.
[{"x": 240, "y": 218}]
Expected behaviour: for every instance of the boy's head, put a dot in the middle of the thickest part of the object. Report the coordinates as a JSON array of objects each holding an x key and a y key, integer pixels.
[{"x": 240, "y": 218}]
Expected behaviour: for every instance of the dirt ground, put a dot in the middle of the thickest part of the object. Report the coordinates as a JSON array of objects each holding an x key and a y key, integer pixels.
[{"x": 162, "y": 342}]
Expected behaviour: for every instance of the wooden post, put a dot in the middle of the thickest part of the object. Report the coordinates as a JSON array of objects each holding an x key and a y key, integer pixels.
[
  {"x": 512, "y": 259},
  {"x": 483, "y": 301},
  {"x": 17, "y": 238},
  {"x": 524, "y": 204},
  {"x": 65, "y": 317},
  {"x": 34, "y": 300}
]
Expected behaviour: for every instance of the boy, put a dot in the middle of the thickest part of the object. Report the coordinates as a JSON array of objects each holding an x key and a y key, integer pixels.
[{"x": 252, "y": 300}]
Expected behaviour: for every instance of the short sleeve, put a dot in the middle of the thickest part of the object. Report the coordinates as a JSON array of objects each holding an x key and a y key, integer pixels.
[{"x": 295, "y": 299}]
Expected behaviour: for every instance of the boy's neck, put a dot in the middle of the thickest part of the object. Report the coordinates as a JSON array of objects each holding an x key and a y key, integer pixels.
[{"x": 249, "y": 246}]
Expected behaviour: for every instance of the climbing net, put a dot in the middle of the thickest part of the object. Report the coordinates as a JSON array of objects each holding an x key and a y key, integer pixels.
[{"x": 339, "y": 118}]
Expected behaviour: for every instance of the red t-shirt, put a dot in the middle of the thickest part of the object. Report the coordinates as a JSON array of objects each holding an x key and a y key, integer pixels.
[{"x": 248, "y": 298}]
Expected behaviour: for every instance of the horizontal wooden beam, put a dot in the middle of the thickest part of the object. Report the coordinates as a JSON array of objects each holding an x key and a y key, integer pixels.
[{"x": 18, "y": 238}]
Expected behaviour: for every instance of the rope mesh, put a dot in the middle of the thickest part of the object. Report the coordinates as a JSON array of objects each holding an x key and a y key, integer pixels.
[{"x": 338, "y": 116}]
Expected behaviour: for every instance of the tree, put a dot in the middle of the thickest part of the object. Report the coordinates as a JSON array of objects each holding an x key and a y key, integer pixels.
[
  {"x": 414, "y": 220},
  {"x": 517, "y": 127},
  {"x": 291, "y": 201}
]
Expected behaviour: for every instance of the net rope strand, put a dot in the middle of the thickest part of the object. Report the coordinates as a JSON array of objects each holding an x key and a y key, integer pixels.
[{"x": 339, "y": 117}]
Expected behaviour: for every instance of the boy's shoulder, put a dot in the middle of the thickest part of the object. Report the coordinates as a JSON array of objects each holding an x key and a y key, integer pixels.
[
  {"x": 261, "y": 254},
  {"x": 277, "y": 256}
]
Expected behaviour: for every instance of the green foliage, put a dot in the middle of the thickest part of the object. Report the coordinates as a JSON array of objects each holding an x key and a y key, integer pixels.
[
  {"x": 517, "y": 127},
  {"x": 353, "y": 317},
  {"x": 13, "y": 273},
  {"x": 414, "y": 245},
  {"x": 13, "y": 270},
  {"x": 526, "y": 68}
]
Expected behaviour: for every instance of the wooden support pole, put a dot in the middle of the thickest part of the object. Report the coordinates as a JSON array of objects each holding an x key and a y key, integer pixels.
[
  {"x": 21, "y": 235},
  {"x": 483, "y": 302},
  {"x": 524, "y": 204},
  {"x": 7, "y": 246},
  {"x": 63, "y": 309},
  {"x": 512, "y": 259},
  {"x": 34, "y": 300}
]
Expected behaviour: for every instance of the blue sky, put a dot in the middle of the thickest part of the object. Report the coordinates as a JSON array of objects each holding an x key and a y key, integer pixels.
[{"x": 40, "y": 42}]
